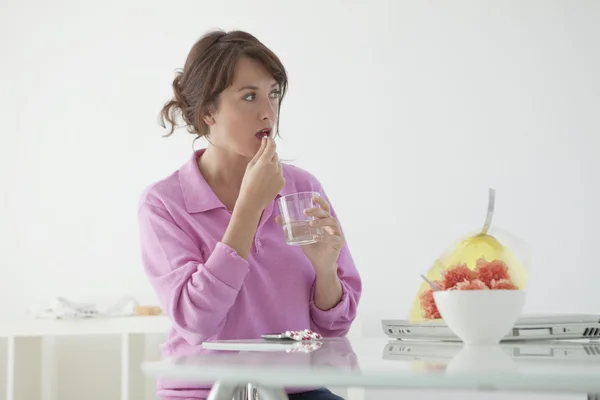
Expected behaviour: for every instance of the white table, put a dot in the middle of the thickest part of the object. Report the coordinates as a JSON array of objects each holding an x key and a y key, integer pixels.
[
  {"x": 568, "y": 367},
  {"x": 27, "y": 335}
]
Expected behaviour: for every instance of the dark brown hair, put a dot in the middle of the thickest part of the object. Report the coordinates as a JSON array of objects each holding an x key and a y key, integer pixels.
[{"x": 208, "y": 70}]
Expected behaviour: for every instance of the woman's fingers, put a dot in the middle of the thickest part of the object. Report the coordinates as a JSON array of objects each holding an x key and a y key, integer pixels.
[
  {"x": 261, "y": 150},
  {"x": 316, "y": 212},
  {"x": 321, "y": 202},
  {"x": 269, "y": 152},
  {"x": 328, "y": 222},
  {"x": 335, "y": 240},
  {"x": 323, "y": 211}
]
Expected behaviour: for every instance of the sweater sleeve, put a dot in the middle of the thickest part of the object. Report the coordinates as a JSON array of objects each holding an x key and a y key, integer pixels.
[
  {"x": 195, "y": 293},
  {"x": 338, "y": 320}
]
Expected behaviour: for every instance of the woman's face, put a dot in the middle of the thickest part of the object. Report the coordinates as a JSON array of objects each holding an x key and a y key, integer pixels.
[{"x": 246, "y": 110}]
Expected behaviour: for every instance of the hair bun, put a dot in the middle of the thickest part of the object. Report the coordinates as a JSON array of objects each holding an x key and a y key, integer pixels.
[{"x": 177, "y": 91}]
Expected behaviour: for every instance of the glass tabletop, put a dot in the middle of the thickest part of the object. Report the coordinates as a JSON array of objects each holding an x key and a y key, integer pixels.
[{"x": 541, "y": 366}]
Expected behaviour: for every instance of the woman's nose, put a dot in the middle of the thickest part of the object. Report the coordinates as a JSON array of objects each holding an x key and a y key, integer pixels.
[{"x": 268, "y": 111}]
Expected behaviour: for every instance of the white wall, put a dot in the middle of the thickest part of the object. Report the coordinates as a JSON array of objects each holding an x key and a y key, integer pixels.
[{"x": 407, "y": 112}]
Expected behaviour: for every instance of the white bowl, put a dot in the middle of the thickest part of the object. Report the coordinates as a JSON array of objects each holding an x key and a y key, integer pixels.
[{"x": 481, "y": 317}]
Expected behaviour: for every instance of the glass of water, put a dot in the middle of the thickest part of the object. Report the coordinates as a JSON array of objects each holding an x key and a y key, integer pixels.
[{"x": 296, "y": 225}]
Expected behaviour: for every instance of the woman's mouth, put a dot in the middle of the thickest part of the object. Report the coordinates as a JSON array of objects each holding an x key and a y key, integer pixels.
[{"x": 262, "y": 133}]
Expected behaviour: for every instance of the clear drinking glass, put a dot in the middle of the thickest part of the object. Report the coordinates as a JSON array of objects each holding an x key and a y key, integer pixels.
[{"x": 296, "y": 225}]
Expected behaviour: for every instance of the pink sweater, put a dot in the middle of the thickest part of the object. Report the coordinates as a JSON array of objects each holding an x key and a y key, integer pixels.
[{"x": 211, "y": 293}]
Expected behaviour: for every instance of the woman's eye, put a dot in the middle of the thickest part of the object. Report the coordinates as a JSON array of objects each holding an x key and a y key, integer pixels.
[{"x": 275, "y": 94}]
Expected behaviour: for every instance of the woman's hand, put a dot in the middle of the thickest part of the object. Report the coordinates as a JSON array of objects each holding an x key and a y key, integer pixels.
[
  {"x": 263, "y": 178},
  {"x": 325, "y": 252},
  {"x": 261, "y": 183}
]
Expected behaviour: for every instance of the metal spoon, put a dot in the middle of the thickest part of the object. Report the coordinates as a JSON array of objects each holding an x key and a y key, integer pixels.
[
  {"x": 490, "y": 211},
  {"x": 433, "y": 285}
]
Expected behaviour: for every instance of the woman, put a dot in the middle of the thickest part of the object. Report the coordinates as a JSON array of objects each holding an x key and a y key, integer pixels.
[{"x": 212, "y": 244}]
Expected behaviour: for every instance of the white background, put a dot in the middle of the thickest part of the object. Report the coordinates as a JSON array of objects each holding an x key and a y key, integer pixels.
[{"x": 407, "y": 111}]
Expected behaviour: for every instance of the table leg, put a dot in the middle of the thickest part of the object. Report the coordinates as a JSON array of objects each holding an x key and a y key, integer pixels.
[
  {"x": 48, "y": 371},
  {"x": 271, "y": 393},
  {"x": 226, "y": 391},
  {"x": 132, "y": 355},
  {"x": 23, "y": 361},
  {"x": 10, "y": 369},
  {"x": 250, "y": 393},
  {"x": 593, "y": 396}
]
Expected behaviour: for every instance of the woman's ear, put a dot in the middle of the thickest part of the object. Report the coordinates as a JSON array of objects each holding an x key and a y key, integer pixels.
[
  {"x": 209, "y": 119},
  {"x": 209, "y": 116}
]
